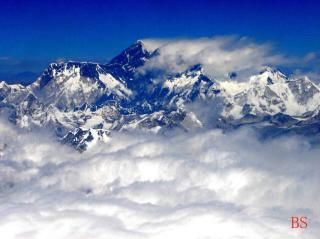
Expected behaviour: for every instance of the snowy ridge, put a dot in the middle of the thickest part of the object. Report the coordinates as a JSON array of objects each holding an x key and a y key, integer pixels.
[
  {"x": 269, "y": 93},
  {"x": 84, "y": 102}
]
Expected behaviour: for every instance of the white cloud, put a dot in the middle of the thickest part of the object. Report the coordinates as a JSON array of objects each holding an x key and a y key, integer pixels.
[
  {"x": 219, "y": 56},
  {"x": 200, "y": 185}
]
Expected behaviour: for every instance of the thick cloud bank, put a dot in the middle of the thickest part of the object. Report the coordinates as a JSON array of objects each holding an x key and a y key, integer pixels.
[{"x": 204, "y": 185}]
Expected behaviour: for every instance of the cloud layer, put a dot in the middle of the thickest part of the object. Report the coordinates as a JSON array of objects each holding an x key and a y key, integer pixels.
[{"x": 203, "y": 185}]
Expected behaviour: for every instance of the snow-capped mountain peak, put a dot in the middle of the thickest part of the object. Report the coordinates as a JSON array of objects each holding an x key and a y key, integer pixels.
[
  {"x": 132, "y": 57},
  {"x": 85, "y": 102},
  {"x": 268, "y": 76},
  {"x": 73, "y": 84}
]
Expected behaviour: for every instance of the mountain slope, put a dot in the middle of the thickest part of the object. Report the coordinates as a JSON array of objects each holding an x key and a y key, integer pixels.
[{"x": 85, "y": 102}]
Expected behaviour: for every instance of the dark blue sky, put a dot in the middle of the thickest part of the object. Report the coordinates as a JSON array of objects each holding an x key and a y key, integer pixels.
[{"x": 35, "y": 32}]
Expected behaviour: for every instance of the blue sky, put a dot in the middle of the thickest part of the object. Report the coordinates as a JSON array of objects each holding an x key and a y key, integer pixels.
[{"x": 36, "y": 32}]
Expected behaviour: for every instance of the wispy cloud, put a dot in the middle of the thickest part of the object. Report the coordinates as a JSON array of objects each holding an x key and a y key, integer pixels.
[{"x": 219, "y": 56}]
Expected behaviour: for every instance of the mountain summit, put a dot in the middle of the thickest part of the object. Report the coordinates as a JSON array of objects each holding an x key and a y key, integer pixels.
[
  {"x": 132, "y": 57},
  {"x": 85, "y": 102}
]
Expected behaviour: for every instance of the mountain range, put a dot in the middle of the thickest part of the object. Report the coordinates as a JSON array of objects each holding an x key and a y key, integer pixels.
[{"x": 84, "y": 102}]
